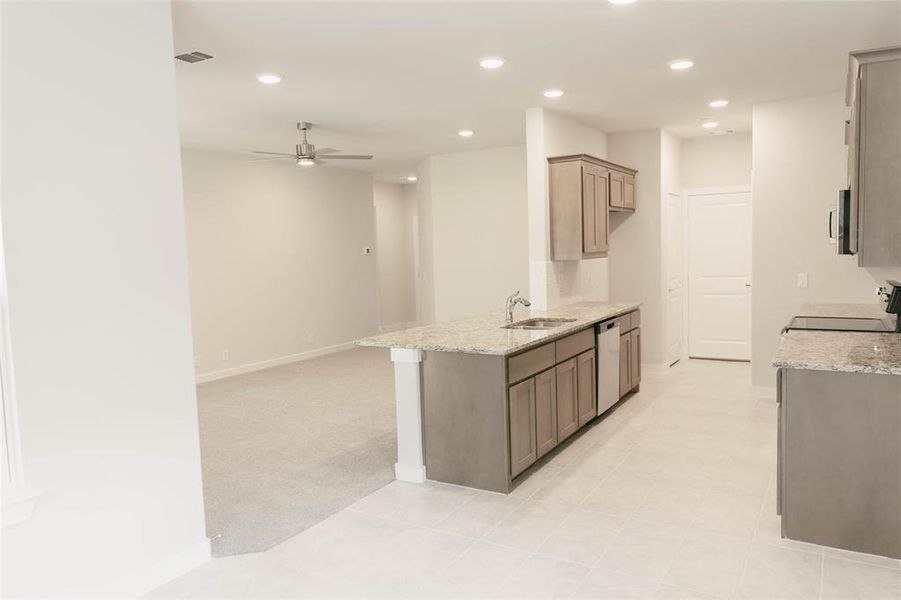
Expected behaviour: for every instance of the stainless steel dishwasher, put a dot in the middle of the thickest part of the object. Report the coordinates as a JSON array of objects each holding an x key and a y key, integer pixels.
[{"x": 608, "y": 364}]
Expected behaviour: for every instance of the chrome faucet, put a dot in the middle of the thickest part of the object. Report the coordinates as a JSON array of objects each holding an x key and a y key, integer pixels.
[{"x": 512, "y": 300}]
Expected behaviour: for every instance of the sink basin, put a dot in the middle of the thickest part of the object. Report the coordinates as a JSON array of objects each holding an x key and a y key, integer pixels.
[{"x": 539, "y": 323}]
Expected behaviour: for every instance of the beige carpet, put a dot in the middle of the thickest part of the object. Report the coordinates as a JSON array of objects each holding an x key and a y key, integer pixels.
[{"x": 284, "y": 448}]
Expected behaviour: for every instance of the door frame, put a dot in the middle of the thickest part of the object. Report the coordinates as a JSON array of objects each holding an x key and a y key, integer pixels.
[
  {"x": 686, "y": 214},
  {"x": 684, "y": 274}
]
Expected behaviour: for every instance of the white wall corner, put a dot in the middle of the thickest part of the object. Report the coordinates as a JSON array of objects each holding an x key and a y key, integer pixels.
[
  {"x": 163, "y": 571},
  {"x": 18, "y": 504},
  {"x": 767, "y": 392}
]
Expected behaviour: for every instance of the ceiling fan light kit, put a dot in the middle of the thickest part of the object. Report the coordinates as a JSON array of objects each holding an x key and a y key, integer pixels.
[{"x": 305, "y": 153}]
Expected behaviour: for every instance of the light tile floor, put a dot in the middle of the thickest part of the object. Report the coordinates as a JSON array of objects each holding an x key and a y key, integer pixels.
[{"x": 670, "y": 496}]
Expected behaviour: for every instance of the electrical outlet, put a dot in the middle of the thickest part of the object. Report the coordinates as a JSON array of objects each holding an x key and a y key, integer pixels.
[
  {"x": 224, "y": 354},
  {"x": 802, "y": 280}
]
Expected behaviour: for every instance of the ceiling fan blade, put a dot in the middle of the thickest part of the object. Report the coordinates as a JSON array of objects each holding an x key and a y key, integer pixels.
[
  {"x": 347, "y": 156},
  {"x": 274, "y": 153},
  {"x": 326, "y": 150},
  {"x": 271, "y": 158}
]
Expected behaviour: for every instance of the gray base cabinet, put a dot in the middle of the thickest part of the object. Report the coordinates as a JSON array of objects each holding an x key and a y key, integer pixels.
[
  {"x": 839, "y": 460},
  {"x": 487, "y": 419}
]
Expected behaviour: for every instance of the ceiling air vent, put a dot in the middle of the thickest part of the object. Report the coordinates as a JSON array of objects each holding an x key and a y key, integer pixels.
[{"x": 193, "y": 57}]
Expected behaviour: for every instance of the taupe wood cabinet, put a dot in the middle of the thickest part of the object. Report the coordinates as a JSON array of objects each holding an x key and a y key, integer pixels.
[
  {"x": 629, "y": 352},
  {"x": 582, "y": 190},
  {"x": 546, "y": 411},
  {"x": 567, "y": 399},
  {"x": 523, "y": 438},
  {"x": 622, "y": 191},
  {"x": 839, "y": 459},
  {"x": 586, "y": 377},
  {"x": 486, "y": 419},
  {"x": 873, "y": 136}
]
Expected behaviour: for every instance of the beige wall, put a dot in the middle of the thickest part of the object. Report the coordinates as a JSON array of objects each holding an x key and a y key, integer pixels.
[
  {"x": 276, "y": 260},
  {"x": 473, "y": 218},
  {"x": 395, "y": 214},
  {"x": 800, "y": 163},
  {"x": 715, "y": 161},
  {"x": 557, "y": 283},
  {"x": 636, "y": 252},
  {"x": 94, "y": 243}
]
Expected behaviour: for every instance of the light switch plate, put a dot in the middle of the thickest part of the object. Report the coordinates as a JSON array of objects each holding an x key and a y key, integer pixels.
[{"x": 802, "y": 280}]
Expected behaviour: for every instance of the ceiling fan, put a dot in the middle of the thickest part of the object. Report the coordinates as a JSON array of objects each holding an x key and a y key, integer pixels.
[{"x": 306, "y": 153}]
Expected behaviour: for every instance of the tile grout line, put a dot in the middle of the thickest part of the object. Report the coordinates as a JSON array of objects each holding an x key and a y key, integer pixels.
[{"x": 744, "y": 567}]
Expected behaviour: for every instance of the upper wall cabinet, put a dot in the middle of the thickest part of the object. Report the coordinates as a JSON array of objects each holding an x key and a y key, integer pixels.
[
  {"x": 582, "y": 191},
  {"x": 874, "y": 156}
]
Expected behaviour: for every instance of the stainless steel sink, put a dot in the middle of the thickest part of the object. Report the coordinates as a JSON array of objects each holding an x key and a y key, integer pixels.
[{"x": 539, "y": 323}]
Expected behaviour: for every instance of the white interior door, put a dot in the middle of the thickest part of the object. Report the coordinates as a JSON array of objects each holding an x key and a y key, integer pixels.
[
  {"x": 719, "y": 265},
  {"x": 675, "y": 268}
]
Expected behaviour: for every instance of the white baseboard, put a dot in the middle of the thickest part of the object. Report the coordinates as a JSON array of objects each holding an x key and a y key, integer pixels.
[
  {"x": 654, "y": 369},
  {"x": 397, "y": 326},
  {"x": 138, "y": 584},
  {"x": 274, "y": 362},
  {"x": 764, "y": 391}
]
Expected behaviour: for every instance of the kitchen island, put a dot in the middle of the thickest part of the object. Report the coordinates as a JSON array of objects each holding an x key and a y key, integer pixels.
[
  {"x": 839, "y": 446},
  {"x": 479, "y": 402}
]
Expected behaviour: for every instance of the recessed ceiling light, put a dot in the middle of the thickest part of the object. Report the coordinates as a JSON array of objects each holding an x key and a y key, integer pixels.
[
  {"x": 491, "y": 62},
  {"x": 465, "y": 133},
  {"x": 553, "y": 93},
  {"x": 620, "y": 1},
  {"x": 709, "y": 124},
  {"x": 680, "y": 64},
  {"x": 269, "y": 78},
  {"x": 719, "y": 103},
  {"x": 411, "y": 178},
  {"x": 306, "y": 162}
]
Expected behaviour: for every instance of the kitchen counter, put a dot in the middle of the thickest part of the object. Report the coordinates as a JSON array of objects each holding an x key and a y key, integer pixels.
[
  {"x": 841, "y": 351},
  {"x": 485, "y": 334}
]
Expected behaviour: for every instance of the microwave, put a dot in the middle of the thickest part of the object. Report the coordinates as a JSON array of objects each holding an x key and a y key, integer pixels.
[{"x": 843, "y": 224}]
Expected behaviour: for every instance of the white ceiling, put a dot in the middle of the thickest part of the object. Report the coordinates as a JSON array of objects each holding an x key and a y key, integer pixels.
[{"x": 399, "y": 79}]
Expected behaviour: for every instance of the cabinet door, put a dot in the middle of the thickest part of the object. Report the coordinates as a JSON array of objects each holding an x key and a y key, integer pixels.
[
  {"x": 600, "y": 211},
  {"x": 635, "y": 358},
  {"x": 523, "y": 445},
  {"x": 594, "y": 209},
  {"x": 617, "y": 189},
  {"x": 546, "y": 411},
  {"x": 589, "y": 209},
  {"x": 629, "y": 192},
  {"x": 587, "y": 377},
  {"x": 625, "y": 364},
  {"x": 567, "y": 401}
]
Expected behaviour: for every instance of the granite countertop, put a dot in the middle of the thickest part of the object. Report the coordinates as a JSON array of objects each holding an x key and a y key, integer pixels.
[
  {"x": 846, "y": 351},
  {"x": 485, "y": 334}
]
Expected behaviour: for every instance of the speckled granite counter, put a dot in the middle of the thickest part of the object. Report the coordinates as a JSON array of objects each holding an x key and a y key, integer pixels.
[
  {"x": 851, "y": 352},
  {"x": 485, "y": 334}
]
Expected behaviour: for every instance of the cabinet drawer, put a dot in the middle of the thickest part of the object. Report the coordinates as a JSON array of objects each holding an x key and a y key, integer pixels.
[
  {"x": 635, "y": 318},
  {"x": 575, "y": 344},
  {"x": 530, "y": 362}
]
